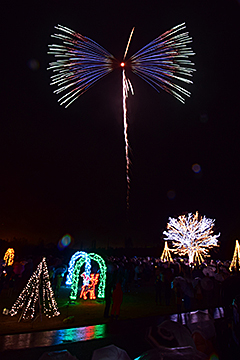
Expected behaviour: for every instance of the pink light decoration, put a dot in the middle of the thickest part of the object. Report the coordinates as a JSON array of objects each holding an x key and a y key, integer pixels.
[{"x": 89, "y": 284}]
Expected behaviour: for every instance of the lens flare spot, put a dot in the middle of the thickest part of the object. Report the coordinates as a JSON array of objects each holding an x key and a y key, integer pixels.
[
  {"x": 171, "y": 194},
  {"x": 33, "y": 64},
  {"x": 214, "y": 357},
  {"x": 64, "y": 241},
  {"x": 196, "y": 168},
  {"x": 203, "y": 118}
]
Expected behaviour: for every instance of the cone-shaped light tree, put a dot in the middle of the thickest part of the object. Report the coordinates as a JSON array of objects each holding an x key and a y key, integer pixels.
[
  {"x": 166, "y": 255},
  {"x": 235, "y": 264},
  {"x": 30, "y": 296}
]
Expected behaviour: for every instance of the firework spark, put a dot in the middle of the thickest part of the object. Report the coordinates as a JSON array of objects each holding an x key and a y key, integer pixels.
[
  {"x": 165, "y": 60},
  {"x": 127, "y": 47},
  {"x": 81, "y": 62}
]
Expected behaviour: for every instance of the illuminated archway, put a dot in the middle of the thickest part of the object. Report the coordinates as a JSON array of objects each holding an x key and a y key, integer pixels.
[
  {"x": 75, "y": 277},
  {"x": 84, "y": 259},
  {"x": 76, "y": 272},
  {"x": 102, "y": 277},
  {"x": 9, "y": 257}
]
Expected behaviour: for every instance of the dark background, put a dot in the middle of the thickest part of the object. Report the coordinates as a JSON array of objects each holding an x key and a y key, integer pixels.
[{"x": 63, "y": 170}]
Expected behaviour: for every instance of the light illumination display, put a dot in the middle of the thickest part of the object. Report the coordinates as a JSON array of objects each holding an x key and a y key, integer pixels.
[
  {"x": 191, "y": 236},
  {"x": 85, "y": 259},
  {"x": 30, "y": 296},
  {"x": 235, "y": 264},
  {"x": 103, "y": 271},
  {"x": 89, "y": 284},
  {"x": 79, "y": 261},
  {"x": 81, "y": 62},
  {"x": 166, "y": 255},
  {"x": 198, "y": 258},
  {"x": 9, "y": 257}
]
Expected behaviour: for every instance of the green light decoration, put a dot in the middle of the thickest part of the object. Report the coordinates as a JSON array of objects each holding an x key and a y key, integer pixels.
[
  {"x": 75, "y": 278},
  {"x": 102, "y": 278},
  {"x": 74, "y": 258}
]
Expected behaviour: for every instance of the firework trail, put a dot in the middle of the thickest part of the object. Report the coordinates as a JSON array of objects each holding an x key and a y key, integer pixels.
[
  {"x": 126, "y": 86},
  {"x": 80, "y": 62},
  {"x": 127, "y": 47}
]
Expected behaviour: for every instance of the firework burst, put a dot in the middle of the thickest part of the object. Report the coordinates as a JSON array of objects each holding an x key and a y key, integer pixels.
[{"x": 81, "y": 62}]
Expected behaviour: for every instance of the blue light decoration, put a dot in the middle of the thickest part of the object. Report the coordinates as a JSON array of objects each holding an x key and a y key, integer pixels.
[
  {"x": 79, "y": 258},
  {"x": 85, "y": 259}
]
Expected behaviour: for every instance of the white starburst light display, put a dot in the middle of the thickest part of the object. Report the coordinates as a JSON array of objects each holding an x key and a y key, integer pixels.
[{"x": 191, "y": 236}]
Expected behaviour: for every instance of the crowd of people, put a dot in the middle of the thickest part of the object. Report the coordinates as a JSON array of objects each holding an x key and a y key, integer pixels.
[
  {"x": 209, "y": 285},
  {"x": 176, "y": 287},
  {"x": 182, "y": 288}
]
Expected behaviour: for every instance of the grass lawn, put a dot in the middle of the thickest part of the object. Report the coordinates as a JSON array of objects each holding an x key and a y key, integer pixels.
[{"x": 139, "y": 302}]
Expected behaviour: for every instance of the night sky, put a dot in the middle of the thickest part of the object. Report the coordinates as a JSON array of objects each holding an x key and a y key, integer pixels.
[{"x": 63, "y": 170}]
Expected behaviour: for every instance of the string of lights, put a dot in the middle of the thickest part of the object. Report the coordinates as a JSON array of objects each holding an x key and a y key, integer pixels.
[
  {"x": 76, "y": 273},
  {"x": 166, "y": 255},
  {"x": 30, "y": 295},
  {"x": 191, "y": 236},
  {"x": 50, "y": 307},
  {"x": 89, "y": 285},
  {"x": 75, "y": 278},
  {"x": 198, "y": 258},
  {"x": 103, "y": 271},
  {"x": 235, "y": 263},
  {"x": 74, "y": 258},
  {"x": 26, "y": 298},
  {"x": 9, "y": 257}
]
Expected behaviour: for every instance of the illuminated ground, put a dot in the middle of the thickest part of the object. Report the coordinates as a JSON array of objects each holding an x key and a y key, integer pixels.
[
  {"x": 138, "y": 312},
  {"x": 140, "y": 302},
  {"x": 90, "y": 330}
]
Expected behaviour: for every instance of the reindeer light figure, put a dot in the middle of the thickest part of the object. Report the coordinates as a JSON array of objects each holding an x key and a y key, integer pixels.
[{"x": 89, "y": 283}]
